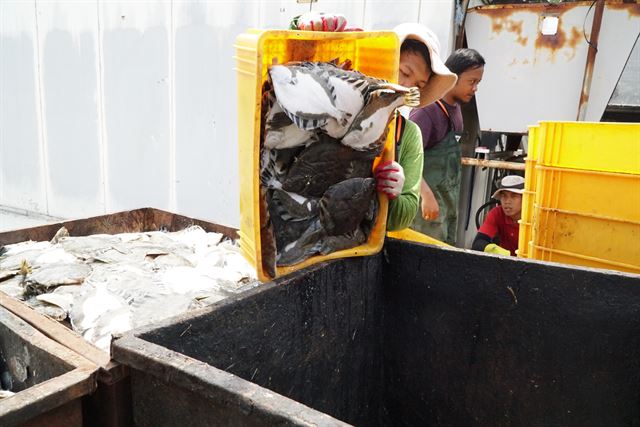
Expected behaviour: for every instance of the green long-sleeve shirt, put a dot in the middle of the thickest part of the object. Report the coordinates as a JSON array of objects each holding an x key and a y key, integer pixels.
[{"x": 403, "y": 209}]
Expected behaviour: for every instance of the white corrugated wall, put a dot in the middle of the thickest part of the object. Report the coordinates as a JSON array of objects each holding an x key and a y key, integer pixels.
[{"x": 108, "y": 106}]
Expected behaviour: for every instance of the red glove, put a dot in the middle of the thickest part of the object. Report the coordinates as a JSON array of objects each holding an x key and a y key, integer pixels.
[
  {"x": 390, "y": 179},
  {"x": 319, "y": 21}
]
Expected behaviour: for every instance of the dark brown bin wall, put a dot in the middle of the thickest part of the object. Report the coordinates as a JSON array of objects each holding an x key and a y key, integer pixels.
[
  {"x": 483, "y": 341},
  {"x": 315, "y": 338}
]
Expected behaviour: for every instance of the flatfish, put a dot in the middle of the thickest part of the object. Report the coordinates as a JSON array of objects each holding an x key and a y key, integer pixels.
[
  {"x": 344, "y": 205},
  {"x": 306, "y": 96},
  {"x": 368, "y": 130},
  {"x": 325, "y": 163}
]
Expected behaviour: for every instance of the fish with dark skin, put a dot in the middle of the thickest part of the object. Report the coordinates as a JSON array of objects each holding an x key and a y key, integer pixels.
[
  {"x": 345, "y": 204},
  {"x": 324, "y": 164}
]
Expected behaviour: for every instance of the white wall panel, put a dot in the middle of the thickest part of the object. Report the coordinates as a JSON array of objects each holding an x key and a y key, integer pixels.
[
  {"x": 384, "y": 15},
  {"x": 206, "y": 154},
  {"x": 68, "y": 36},
  {"x": 277, "y": 14},
  {"x": 353, "y": 10},
  {"x": 137, "y": 86},
  {"x": 21, "y": 166},
  {"x": 108, "y": 105},
  {"x": 438, "y": 16}
]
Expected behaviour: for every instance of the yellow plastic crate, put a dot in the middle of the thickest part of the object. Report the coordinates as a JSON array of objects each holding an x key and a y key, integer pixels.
[
  {"x": 601, "y": 194},
  {"x": 587, "y": 240},
  {"x": 526, "y": 216},
  {"x": 606, "y": 147},
  {"x": 415, "y": 236},
  {"x": 372, "y": 53},
  {"x": 585, "y": 217},
  {"x": 530, "y": 178}
]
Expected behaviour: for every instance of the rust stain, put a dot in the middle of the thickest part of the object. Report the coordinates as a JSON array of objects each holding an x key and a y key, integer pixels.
[
  {"x": 554, "y": 42},
  {"x": 584, "y": 96},
  {"x": 500, "y": 24},
  {"x": 576, "y": 37},
  {"x": 503, "y": 11},
  {"x": 633, "y": 8}
]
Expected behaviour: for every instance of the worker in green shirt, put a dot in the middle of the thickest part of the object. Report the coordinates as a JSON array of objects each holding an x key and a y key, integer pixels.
[{"x": 420, "y": 66}]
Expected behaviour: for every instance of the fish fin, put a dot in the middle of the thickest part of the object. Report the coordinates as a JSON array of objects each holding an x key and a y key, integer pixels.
[
  {"x": 344, "y": 120},
  {"x": 279, "y": 120}
]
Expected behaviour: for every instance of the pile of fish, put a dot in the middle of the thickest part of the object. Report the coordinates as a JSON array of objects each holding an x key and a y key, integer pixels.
[
  {"x": 108, "y": 284},
  {"x": 322, "y": 127}
]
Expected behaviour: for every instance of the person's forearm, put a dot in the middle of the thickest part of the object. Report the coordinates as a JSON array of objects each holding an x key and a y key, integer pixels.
[
  {"x": 480, "y": 242},
  {"x": 425, "y": 190},
  {"x": 402, "y": 211}
]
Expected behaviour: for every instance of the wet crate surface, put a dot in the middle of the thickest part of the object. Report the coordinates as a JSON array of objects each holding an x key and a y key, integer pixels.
[
  {"x": 48, "y": 379},
  {"x": 414, "y": 336}
]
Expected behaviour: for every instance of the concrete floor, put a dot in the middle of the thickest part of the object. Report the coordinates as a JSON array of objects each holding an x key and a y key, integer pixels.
[{"x": 15, "y": 219}]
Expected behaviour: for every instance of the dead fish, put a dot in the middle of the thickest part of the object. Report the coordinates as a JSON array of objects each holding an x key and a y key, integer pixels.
[
  {"x": 170, "y": 260},
  {"x": 369, "y": 220},
  {"x": 291, "y": 206},
  {"x": 91, "y": 305},
  {"x": 280, "y": 132},
  {"x": 114, "y": 322},
  {"x": 54, "y": 255},
  {"x": 61, "y": 296},
  {"x": 182, "y": 280},
  {"x": 308, "y": 244},
  {"x": 62, "y": 232},
  {"x": 305, "y": 96},
  {"x": 60, "y": 274},
  {"x": 352, "y": 91},
  {"x": 344, "y": 205},
  {"x": 325, "y": 163},
  {"x": 50, "y": 310},
  {"x": 369, "y": 127},
  {"x": 47, "y": 277},
  {"x": 12, "y": 261},
  {"x": 267, "y": 236},
  {"x": 274, "y": 165},
  {"x": 344, "y": 241},
  {"x": 13, "y": 287},
  {"x": 88, "y": 247},
  {"x": 285, "y": 229},
  {"x": 6, "y": 274}
]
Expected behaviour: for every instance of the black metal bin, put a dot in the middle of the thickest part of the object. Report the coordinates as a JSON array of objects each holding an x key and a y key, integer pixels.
[{"x": 417, "y": 335}]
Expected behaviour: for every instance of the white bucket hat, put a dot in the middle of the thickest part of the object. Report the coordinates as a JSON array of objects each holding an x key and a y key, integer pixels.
[
  {"x": 442, "y": 80},
  {"x": 513, "y": 183}
]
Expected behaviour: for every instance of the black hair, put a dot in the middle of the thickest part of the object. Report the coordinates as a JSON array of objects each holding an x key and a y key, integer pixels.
[
  {"x": 464, "y": 59},
  {"x": 417, "y": 47}
]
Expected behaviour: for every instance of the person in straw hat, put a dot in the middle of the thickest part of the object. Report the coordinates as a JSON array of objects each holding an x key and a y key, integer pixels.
[
  {"x": 420, "y": 66},
  {"x": 501, "y": 224},
  {"x": 441, "y": 125}
]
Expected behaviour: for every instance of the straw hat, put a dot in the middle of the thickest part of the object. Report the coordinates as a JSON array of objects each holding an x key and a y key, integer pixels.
[
  {"x": 513, "y": 183},
  {"x": 442, "y": 80}
]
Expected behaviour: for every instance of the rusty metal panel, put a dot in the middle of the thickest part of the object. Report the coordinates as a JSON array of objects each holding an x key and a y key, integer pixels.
[{"x": 530, "y": 76}]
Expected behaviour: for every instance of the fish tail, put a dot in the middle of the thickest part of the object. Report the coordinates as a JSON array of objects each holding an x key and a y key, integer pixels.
[{"x": 412, "y": 99}]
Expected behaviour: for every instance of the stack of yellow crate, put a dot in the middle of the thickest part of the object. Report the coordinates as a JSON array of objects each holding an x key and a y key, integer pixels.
[{"x": 582, "y": 195}]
